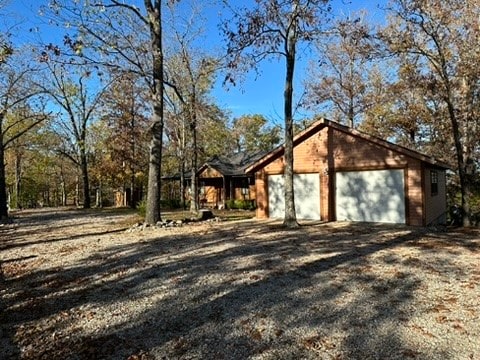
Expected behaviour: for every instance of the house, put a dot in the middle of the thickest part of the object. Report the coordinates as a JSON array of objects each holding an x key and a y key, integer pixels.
[
  {"x": 344, "y": 174},
  {"x": 223, "y": 178}
]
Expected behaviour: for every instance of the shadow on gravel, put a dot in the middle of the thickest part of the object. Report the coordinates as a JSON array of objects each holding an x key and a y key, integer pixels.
[
  {"x": 21, "y": 242},
  {"x": 231, "y": 292},
  {"x": 7, "y": 340}
]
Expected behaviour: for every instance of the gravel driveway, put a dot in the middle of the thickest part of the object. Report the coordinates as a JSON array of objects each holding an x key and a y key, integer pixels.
[{"x": 77, "y": 285}]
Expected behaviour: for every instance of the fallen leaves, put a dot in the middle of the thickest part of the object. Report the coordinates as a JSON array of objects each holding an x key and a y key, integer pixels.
[
  {"x": 318, "y": 344},
  {"x": 20, "y": 266}
]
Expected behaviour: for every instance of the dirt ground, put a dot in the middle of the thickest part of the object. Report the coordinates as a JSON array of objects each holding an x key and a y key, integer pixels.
[{"x": 80, "y": 284}]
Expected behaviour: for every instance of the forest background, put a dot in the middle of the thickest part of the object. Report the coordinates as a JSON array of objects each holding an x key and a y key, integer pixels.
[{"x": 76, "y": 91}]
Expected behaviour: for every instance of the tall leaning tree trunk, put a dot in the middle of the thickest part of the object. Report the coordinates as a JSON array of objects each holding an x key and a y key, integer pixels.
[
  {"x": 465, "y": 186},
  {"x": 290, "y": 219},
  {"x": 156, "y": 142}
]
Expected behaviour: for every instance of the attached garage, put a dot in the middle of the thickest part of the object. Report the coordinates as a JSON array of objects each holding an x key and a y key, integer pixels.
[
  {"x": 306, "y": 194},
  {"x": 371, "y": 196},
  {"x": 345, "y": 174}
]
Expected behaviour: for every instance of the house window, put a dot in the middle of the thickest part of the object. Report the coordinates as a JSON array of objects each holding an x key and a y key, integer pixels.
[
  {"x": 245, "y": 191},
  {"x": 433, "y": 182}
]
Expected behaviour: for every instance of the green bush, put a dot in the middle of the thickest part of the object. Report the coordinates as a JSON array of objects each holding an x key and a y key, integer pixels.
[
  {"x": 171, "y": 204},
  {"x": 230, "y": 204},
  {"x": 142, "y": 208},
  {"x": 240, "y": 204}
]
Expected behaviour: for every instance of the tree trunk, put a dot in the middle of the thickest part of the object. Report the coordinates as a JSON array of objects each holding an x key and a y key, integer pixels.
[
  {"x": 155, "y": 160},
  {"x": 182, "y": 185},
  {"x": 133, "y": 199},
  {"x": 290, "y": 219},
  {"x": 193, "y": 124},
  {"x": 18, "y": 180},
  {"x": 77, "y": 191},
  {"x": 133, "y": 203},
  {"x": 194, "y": 188},
  {"x": 3, "y": 184},
  {"x": 85, "y": 179},
  {"x": 99, "y": 196},
  {"x": 63, "y": 188},
  {"x": 154, "y": 173},
  {"x": 351, "y": 113},
  {"x": 182, "y": 164},
  {"x": 465, "y": 186}
]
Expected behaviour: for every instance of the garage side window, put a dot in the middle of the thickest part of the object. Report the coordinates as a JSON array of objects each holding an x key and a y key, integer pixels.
[{"x": 434, "y": 182}]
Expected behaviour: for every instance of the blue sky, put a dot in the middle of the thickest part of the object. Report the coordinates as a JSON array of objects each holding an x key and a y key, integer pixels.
[
  {"x": 263, "y": 93},
  {"x": 260, "y": 93}
]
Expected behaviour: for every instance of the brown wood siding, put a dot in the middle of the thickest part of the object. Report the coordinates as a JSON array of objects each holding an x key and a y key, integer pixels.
[
  {"x": 414, "y": 205},
  {"x": 209, "y": 172},
  {"x": 261, "y": 194},
  {"x": 436, "y": 205},
  {"x": 331, "y": 150},
  {"x": 310, "y": 157},
  {"x": 250, "y": 196},
  {"x": 210, "y": 195},
  {"x": 352, "y": 153}
]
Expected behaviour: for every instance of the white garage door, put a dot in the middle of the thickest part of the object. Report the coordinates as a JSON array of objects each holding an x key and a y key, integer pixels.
[
  {"x": 377, "y": 196},
  {"x": 306, "y": 193}
]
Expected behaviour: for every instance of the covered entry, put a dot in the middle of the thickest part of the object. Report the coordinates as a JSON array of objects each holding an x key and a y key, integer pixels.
[{"x": 371, "y": 196}]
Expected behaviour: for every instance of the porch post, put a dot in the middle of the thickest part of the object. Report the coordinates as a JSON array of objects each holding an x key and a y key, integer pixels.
[{"x": 224, "y": 191}]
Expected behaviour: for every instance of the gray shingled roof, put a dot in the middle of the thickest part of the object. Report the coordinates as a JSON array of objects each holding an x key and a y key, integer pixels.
[
  {"x": 234, "y": 164},
  {"x": 228, "y": 165}
]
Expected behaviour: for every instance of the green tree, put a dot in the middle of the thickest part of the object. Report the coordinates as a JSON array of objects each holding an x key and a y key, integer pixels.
[{"x": 253, "y": 133}]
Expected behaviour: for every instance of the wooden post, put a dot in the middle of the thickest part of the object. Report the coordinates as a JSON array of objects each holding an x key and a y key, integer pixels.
[{"x": 224, "y": 191}]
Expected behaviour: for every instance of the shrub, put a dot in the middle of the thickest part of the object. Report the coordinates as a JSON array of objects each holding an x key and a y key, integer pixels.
[
  {"x": 240, "y": 204},
  {"x": 230, "y": 204},
  {"x": 170, "y": 204},
  {"x": 142, "y": 208}
]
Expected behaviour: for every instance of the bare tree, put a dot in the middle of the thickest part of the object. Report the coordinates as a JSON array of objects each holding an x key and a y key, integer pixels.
[
  {"x": 339, "y": 77},
  {"x": 190, "y": 73},
  {"x": 18, "y": 92},
  {"x": 72, "y": 94},
  {"x": 274, "y": 28},
  {"x": 118, "y": 34},
  {"x": 434, "y": 35}
]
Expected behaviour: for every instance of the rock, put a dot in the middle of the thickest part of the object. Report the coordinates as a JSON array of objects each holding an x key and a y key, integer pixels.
[{"x": 204, "y": 214}]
